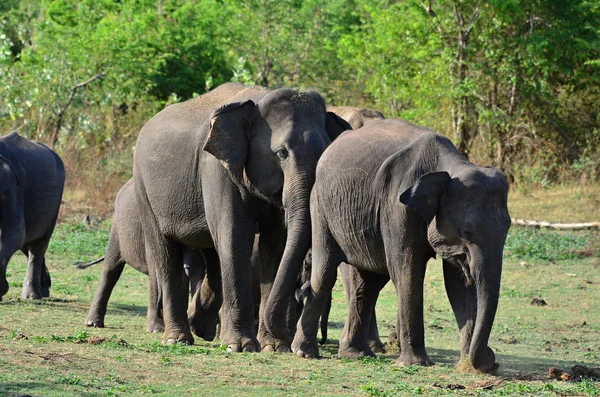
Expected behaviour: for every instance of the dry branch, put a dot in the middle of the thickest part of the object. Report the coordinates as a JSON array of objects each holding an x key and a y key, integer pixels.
[{"x": 558, "y": 226}]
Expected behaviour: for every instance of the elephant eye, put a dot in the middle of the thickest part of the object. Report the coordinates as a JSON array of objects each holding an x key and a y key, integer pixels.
[{"x": 282, "y": 153}]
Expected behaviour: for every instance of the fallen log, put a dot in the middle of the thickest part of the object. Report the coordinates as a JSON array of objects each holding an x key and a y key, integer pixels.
[{"x": 557, "y": 226}]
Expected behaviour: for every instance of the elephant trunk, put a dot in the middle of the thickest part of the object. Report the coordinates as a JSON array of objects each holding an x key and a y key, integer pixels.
[
  {"x": 486, "y": 269},
  {"x": 296, "y": 197}
]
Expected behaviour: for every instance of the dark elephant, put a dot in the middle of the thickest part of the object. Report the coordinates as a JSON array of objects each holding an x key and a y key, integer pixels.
[
  {"x": 126, "y": 246},
  {"x": 387, "y": 198},
  {"x": 207, "y": 171},
  {"x": 357, "y": 117},
  {"x": 32, "y": 178}
]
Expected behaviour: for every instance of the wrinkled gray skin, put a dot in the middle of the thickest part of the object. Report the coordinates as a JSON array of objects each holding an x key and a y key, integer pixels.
[
  {"x": 355, "y": 116},
  {"x": 126, "y": 246},
  {"x": 386, "y": 199},
  {"x": 208, "y": 170},
  {"x": 32, "y": 178}
]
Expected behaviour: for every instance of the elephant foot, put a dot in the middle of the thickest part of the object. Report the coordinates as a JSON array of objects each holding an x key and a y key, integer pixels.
[
  {"x": 3, "y": 287},
  {"x": 95, "y": 323},
  {"x": 347, "y": 351},
  {"x": 237, "y": 342},
  {"x": 376, "y": 346},
  {"x": 483, "y": 363},
  {"x": 276, "y": 346},
  {"x": 46, "y": 284},
  {"x": 206, "y": 331},
  {"x": 31, "y": 293},
  {"x": 304, "y": 348},
  {"x": 155, "y": 326},
  {"x": 411, "y": 358},
  {"x": 174, "y": 337}
]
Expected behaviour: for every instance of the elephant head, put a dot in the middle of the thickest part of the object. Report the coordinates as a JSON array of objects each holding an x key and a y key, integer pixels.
[
  {"x": 468, "y": 221},
  {"x": 271, "y": 148}
]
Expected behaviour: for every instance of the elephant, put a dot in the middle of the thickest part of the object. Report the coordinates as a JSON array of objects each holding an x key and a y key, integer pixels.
[
  {"x": 126, "y": 244},
  {"x": 32, "y": 179},
  {"x": 357, "y": 117},
  {"x": 208, "y": 170},
  {"x": 387, "y": 198}
]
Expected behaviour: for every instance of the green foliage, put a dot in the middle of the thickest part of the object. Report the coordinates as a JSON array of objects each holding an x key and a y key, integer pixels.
[
  {"x": 75, "y": 239},
  {"x": 535, "y": 244}
]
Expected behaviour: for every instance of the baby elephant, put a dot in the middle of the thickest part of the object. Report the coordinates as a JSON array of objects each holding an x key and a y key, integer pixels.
[
  {"x": 387, "y": 198},
  {"x": 126, "y": 245},
  {"x": 32, "y": 178}
]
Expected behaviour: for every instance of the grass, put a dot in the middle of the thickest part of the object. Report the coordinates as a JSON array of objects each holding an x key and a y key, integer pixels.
[
  {"x": 46, "y": 350},
  {"x": 566, "y": 203}
]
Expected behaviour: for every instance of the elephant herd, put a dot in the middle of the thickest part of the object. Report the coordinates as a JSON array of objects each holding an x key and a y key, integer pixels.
[{"x": 248, "y": 199}]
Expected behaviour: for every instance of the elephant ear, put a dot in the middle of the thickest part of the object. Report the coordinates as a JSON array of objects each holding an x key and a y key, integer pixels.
[
  {"x": 8, "y": 167},
  {"x": 424, "y": 196},
  {"x": 228, "y": 138},
  {"x": 335, "y": 125}
]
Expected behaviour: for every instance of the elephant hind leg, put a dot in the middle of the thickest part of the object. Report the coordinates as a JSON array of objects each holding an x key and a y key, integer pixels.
[
  {"x": 36, "y": 270},
  {"x": 363, "y": 289},
  {"x": 203, "y": 313}
]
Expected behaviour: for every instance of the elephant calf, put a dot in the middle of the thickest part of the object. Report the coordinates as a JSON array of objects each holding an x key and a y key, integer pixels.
[
  {"x": 387, "y": 198},
  {"x": 126, "y": 245},
  {"x": 32, "y": 178},
  {"x": 355, "y": 116}
]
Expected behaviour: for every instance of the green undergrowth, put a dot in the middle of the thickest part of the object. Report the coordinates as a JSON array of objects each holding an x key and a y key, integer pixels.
[{"x": 46, "y": 350}]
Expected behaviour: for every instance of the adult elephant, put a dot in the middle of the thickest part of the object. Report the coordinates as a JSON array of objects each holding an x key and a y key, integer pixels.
[
  {"x": 32, "y": 178},
  {"x": 126, "y": 245},
  {"x": 207, "y": 171},
  {"x": 413, "y": 196},
  {"x": 357, "y": 117}
]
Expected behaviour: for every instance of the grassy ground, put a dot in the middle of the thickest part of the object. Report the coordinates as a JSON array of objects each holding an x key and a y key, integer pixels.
[{"x": 46, "y": 350}]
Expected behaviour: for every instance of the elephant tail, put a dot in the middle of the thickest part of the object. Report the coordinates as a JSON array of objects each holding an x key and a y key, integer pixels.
[{"x": 83, "y": 265}]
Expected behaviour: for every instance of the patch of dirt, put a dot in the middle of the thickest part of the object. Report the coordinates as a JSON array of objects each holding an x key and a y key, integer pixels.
[
  {"x": 509, "y": 341},
  {"x": 451, "y": 386},
  {"x": 488, "y": 384},
  {"x": 577, "y": 373},
  {"x": 539, "y": 302}
]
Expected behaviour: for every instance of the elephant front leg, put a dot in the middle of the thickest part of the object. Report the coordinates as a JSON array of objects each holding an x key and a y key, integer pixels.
[
  {"x": 325, "y": 261},
  {"x": 203, "y": 313},
  {"x": 233, "y": 234},
  {"x": 271, "y": 244},
  {"x": 363, "y": 290},
  {"x": 463, "y": 301},
  {"x": 408, "y": 279}
]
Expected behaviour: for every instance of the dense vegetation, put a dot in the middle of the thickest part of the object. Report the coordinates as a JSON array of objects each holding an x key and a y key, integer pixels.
[{"x": 515, "y": 83}]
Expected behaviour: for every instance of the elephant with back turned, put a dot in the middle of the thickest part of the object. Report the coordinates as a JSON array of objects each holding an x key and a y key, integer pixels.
[
  {"x": 126, "y": 245},
  {"x": 413, "y": 196},
  {"x": 207, "y": 171},
  {"x": 32, "y": 178}
]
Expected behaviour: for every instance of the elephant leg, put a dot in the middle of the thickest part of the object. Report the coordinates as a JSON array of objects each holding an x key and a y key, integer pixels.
[
  {"x": 46, "y": 281},
  {"x": 154, "y": 320},
  {"x": 233, "y": 234},
  {"x": 325, "y": 320},
  {"x": 463, "y": 301},
  {"x": 271, "y": 244},
  {"x": 363, "y": 291},
  {"x": 203, "y": 314},
  {"x": 194, "y": 264},
  {"x": 408, "y": 277},
  {"x": 111, "y": 272},
  {"x": 32, "y": 285},
  {"x": 325, "y": 259},
  {"x": 373, "y": 338}
]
